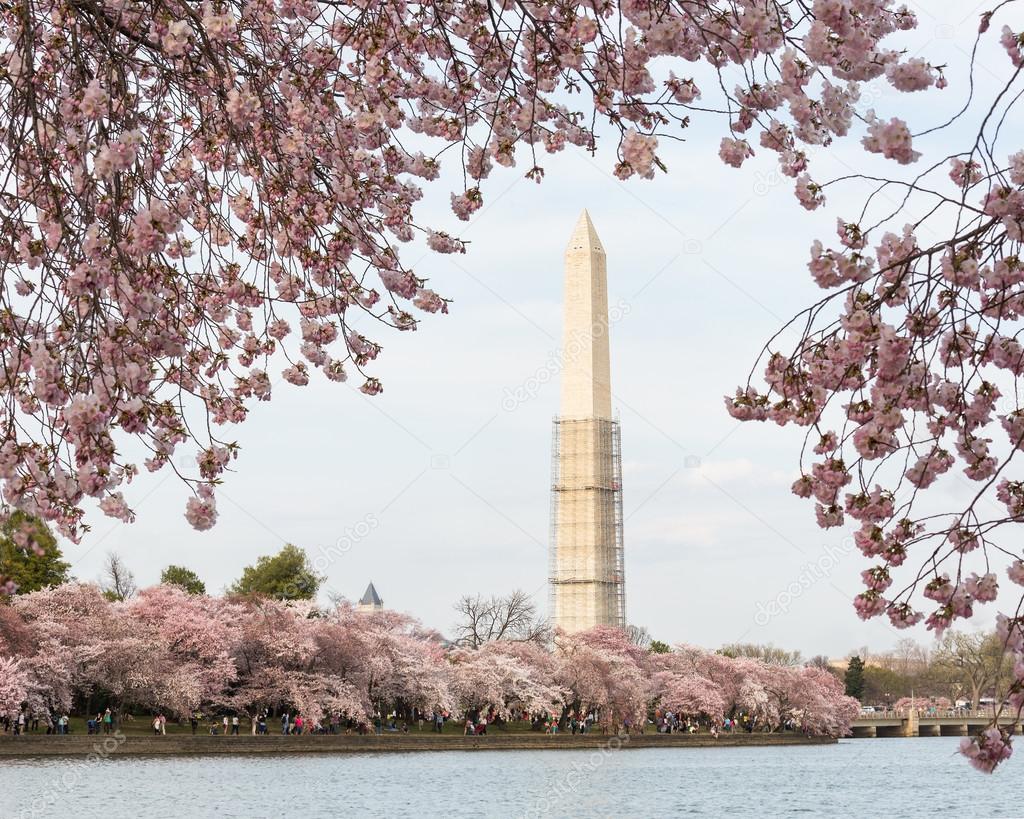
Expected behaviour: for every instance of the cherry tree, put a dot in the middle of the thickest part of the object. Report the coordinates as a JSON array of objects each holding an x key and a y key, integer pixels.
[
  {"x": 204, "y": 201},
  {"x": 14, "y": 686},
  {"x": 700, "y": 683},
  {"x": 193, "y": 640},
  {"x": 498, "y": 678},
  {"x": 743, "y": 683},
  {"x": 725, "y": 673},
  {"x": 601, "y": 670},
  {"x": 130, "y": 667},
  {"x": 152, "y": 652},
  {"x": 15, "y": 635},
  {"x": 905, "y": 373},
  {"x": 69, "y": 625},
  {"x": 812, "y": 698},
  {"x": 276, "y": 657},
  {"x": 49, "y": 689},
  {"x": 689, "y": 693},
  {"x": 401, "y": 666},
  {"x": 337, "y": 662}
]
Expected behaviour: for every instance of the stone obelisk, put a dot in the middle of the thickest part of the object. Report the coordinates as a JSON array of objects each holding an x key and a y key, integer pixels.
[{"x": 586, "y": 577}]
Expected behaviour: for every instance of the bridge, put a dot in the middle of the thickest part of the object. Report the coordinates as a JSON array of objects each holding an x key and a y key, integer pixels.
[{"x": 912, "y": 723}]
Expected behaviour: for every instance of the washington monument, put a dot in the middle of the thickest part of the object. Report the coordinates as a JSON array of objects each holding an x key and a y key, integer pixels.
[{"x": 586, "y": 573}]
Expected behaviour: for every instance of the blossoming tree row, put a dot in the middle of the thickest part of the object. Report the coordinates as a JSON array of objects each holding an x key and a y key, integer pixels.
[{"x": 170, "y": 651}]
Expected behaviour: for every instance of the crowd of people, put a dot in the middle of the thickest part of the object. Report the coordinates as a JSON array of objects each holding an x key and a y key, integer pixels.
[
  {"x": 295, "y": 724},
  {"x": 24, "y": 722}
]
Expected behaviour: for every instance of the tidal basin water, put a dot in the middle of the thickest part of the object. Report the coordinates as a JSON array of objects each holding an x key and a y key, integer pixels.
[{"x": 920, "y": 777}]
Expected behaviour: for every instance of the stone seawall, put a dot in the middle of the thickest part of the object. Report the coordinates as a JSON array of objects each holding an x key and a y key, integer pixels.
[{"x": 177, "y": 744}]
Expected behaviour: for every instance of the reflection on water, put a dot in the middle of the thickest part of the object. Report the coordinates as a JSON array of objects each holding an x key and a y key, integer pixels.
[{"x": 871, "y": 777}]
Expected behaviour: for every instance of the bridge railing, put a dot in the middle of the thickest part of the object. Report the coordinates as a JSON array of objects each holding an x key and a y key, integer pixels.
[{"x": 925, "y": 713}]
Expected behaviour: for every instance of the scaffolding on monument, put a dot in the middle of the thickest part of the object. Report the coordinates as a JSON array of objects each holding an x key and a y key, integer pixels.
[{"x": 586, "y": 535}]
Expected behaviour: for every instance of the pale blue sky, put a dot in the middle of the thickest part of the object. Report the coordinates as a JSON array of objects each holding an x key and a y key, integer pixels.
[{"x": 441, "y": 490}]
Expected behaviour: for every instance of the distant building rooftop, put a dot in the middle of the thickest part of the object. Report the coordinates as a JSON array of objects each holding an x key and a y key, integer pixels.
[{"x": 370, "y": 599}]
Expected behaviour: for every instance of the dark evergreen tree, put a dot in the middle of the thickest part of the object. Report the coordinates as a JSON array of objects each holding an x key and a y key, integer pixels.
[{"x": 854, "y": 678}]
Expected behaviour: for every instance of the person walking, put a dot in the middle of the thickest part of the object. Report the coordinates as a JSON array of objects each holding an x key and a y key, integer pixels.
[
  {"x": 194, "y": 722},
  {"x": 284, "y": 723},
  {"x": 108, "y": 721},
  {"x": 234, "y": 725}
]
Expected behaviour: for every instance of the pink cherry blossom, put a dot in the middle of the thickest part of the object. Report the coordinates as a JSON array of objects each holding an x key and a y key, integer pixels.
[
  {"x": 13, "y": 686},
  {"x": 891, "y": 139},
  {"x": 94, "y": 100},
  {"x": 983, "y": 589},
  {"x": 734, "y": 151},
  {"x": 1012, "y": 42},
  {"x": 808, "y": 193},
  {"x": 178, "y": 652},
  {"x": 443, "y": 243},
  {"x": 964, "y": 173},
  {"x": 176, "y": 38},
  {"x": 986, "y": 751},
  {"x": 914, "y": 74},
  {"x": 638, "y": 153},
  {"x": 201, "y": 510}
]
